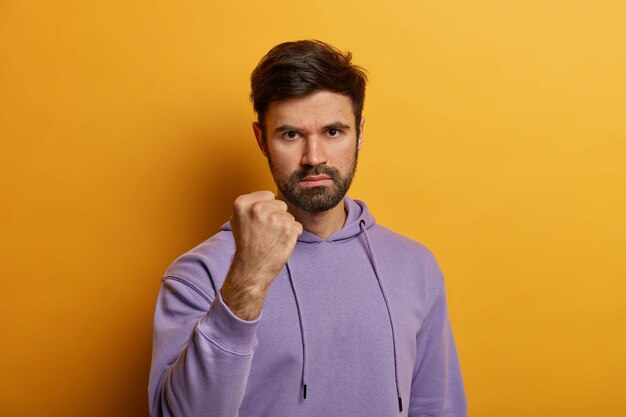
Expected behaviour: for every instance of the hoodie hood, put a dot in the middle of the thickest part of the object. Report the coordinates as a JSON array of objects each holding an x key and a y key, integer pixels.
[{"x": 357, "y": 213}]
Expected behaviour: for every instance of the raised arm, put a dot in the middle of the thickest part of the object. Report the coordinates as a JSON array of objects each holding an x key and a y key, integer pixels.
[{"x": 204, "y": 343}]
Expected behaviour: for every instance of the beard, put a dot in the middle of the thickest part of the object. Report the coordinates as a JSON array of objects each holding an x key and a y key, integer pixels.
[{"x": 318, "y": 198}]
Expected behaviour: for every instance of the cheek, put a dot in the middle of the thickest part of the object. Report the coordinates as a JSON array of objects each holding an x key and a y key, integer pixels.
[
  {"x": 283, "y": 162},
  {"x": 345, "y": 157}
]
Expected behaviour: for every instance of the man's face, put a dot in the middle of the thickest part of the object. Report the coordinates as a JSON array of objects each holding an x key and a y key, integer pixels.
[{"x": 312, "y": 148}]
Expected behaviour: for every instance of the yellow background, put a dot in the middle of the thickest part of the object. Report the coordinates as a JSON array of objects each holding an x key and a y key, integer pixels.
[{"x": 495, "y": 134}]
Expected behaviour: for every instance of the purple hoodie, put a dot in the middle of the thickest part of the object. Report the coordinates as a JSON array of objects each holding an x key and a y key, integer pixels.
[{"x": 354, "y": 325}]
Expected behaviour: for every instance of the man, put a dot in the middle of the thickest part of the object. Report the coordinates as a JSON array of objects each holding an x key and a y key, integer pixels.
[{"x": 302, "y": 305}]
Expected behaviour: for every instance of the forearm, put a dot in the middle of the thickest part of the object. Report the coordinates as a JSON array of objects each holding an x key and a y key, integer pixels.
[
  {"x": 208, "y": 375},
  {"x": 245, "y": 301}
]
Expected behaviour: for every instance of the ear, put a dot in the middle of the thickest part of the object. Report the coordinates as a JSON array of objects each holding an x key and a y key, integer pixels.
[
  {"x": 359, "y": 140},
  {"x": 258, "y": 134}
]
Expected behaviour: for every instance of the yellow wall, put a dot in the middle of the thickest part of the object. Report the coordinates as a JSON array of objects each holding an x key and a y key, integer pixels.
[{"x": 495, "y": 135}]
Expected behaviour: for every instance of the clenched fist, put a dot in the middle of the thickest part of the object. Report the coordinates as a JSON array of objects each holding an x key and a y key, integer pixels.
[{"x": 265, "y": 235}]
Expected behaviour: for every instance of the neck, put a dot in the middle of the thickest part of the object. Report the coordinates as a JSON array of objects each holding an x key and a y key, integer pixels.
[{"x": 322, "y": 224}]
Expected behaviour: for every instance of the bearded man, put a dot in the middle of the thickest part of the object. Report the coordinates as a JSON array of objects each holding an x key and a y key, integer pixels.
[{"x": 301, "y": 305}]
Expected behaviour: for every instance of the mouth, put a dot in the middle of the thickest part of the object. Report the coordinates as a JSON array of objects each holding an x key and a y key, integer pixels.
[{"x": 316, "y": 180}]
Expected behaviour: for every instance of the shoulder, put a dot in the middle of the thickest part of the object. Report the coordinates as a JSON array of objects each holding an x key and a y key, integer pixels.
[
  {"x": 205, "y": 266},
  {"x": 399, "y": 246},
  {"x": 407, "y": 260}
]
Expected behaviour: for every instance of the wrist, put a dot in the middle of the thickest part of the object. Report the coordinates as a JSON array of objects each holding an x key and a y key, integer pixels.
[
  {"x": 245, "y": 301},
  {"x": 248, "y": 278}
]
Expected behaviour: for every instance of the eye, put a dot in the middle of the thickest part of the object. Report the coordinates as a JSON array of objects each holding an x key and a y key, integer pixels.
[
  {"x": 290, "y": 135},
  {"x": 333, "y": 133}
]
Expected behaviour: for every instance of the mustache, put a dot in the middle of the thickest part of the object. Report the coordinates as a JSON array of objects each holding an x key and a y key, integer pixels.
[{"x": 316, "y": 170}]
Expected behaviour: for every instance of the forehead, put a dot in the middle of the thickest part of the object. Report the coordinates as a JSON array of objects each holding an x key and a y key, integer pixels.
[{"x": 320, "y": 107}]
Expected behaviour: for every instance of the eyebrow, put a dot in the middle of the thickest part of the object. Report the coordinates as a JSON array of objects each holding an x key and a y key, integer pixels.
[
  {"x": 337, "y": 125},
  {"x": 287, "y": 128}
]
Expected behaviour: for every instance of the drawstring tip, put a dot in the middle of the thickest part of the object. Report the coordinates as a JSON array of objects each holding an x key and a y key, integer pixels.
[
  {"x": 304, "y": 393},
  {"x": 400, "y": 403}
]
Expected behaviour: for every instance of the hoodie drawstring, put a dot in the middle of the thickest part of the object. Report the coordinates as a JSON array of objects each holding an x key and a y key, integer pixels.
[
  {"x": 382, "y": 290},
  {"x": 295, "y": 296}
]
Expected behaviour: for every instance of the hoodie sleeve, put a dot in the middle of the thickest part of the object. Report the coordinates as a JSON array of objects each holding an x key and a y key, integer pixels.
[
  {"x": 201, "y": 354},
  {"x": 437, "y": 388}
]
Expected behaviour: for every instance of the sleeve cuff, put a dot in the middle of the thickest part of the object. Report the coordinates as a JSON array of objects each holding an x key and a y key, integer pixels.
[{"x": 224, "y": 327}]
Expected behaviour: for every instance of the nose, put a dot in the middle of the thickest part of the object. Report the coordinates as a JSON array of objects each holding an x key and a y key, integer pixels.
[{"x": 314, "y": 152}]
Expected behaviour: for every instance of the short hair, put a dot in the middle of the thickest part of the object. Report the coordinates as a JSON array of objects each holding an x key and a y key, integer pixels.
[{"x": 297, "y": 69}]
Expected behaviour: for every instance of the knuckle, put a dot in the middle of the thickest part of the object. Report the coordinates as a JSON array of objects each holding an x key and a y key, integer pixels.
[
  {"x": 239, "y": 204},
  {"x": 286, "y": 228},
  {"x": 279, "y": 221},
  {"x": 257, "y": 209},
  {"x": 289, "y": 229},
  {"x": 241, "y": 200},
  {"x": 275, "y": 218}
]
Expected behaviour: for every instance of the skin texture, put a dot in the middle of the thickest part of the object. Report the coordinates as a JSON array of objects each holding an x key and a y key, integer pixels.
[
  {"x": 302, "y": 133},
  {"x": 265, "y": 235}
]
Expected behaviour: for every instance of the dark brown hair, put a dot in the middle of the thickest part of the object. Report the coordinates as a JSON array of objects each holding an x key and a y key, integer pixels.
[{"x": 297, "y": 69}]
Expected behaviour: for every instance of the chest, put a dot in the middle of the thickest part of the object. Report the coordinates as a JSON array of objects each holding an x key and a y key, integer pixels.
[
  {"x": 332, "y": 297},
  {"x": 343, "y": 314}
]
